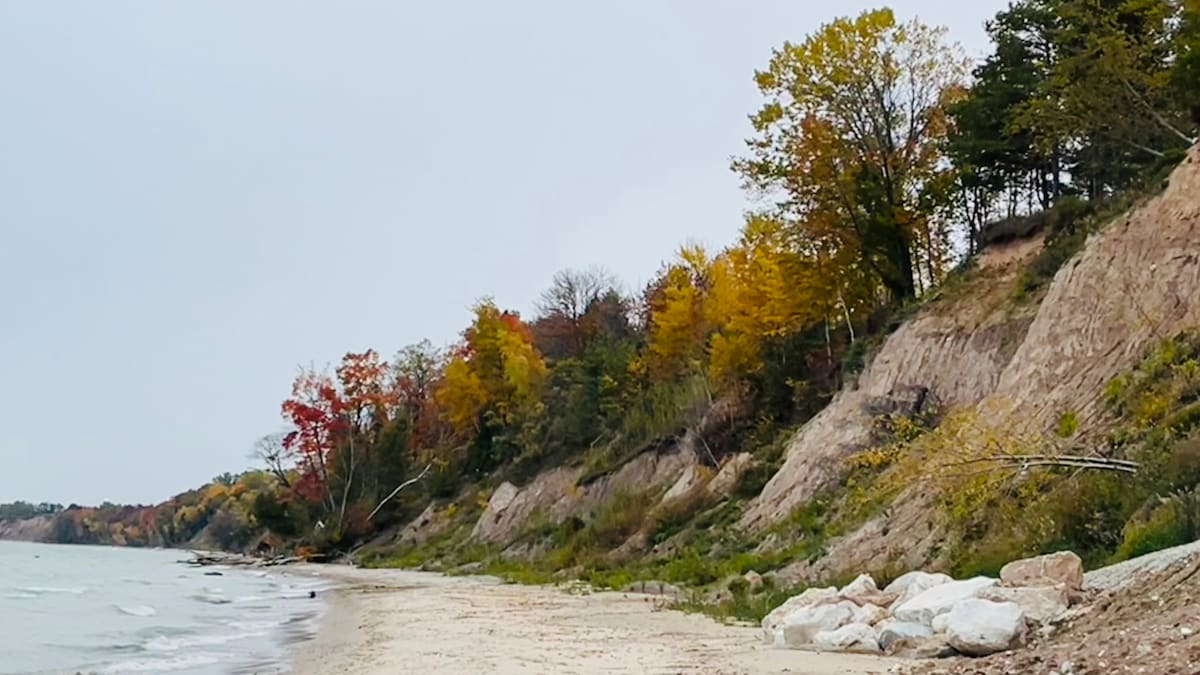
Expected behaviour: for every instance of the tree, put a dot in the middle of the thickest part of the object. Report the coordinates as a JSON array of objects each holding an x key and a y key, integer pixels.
[
  {"x": 1185, "y": 75},
  {"x": 272, "y": 453},
  {"x": 996, "y": 163},
  {"x": 316, "y": 414},
  {"x": 417, "y": 371},
  {"x": 561, "y": 329},
  {"x": 848, "y": 139},
  {"x": 491, "y": 390},
  {"x": 678, "y": 329},
  {"x": 348, "y": 439},
  {"x": 1107, "y": 94}
]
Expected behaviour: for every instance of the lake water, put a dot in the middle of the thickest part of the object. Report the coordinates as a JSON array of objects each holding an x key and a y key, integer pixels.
[{"x": 83, "y": 609}]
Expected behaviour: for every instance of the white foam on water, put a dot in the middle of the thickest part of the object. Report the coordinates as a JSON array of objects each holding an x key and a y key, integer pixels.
[
  {"x": 99, "y": 610},
  {"x": 163, "y": 643},
  {"x": 138, "y": 610},
  {"x": 52, "y": 590},
  {"x": 160, "y": 665}
]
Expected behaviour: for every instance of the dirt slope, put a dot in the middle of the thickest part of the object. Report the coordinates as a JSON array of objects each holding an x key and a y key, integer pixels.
[{"x": 1135, "y": 282}]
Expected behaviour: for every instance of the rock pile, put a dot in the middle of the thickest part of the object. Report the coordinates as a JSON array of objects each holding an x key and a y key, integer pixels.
[{"x": 929, "y": 615}]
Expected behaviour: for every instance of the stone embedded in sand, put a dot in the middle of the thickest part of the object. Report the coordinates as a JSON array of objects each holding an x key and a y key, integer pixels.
[
  {"x": 853, "y": 637},
  {"x": 1047, "y": 570},
  {"x": 810, "y": 597},
  {"x": 932, "y": 647},
  {"x": 910, "y": 585},
  {"x": 799, "y": 628},
  {"x": 978, "y": 627},
  {"x": 869, "y": 614},
  {"x": 653, "y": 588},
  {"x": 892, "y": 631},
  {"x": 1041, "y": 604},
  {"x": 940, "y": 599}
]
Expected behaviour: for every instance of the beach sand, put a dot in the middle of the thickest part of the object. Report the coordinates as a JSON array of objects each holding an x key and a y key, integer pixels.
[{"x": 392, "y": 621}]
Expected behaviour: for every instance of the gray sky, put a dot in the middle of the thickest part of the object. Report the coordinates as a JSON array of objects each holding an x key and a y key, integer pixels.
[{"x": 196, "y": 198}]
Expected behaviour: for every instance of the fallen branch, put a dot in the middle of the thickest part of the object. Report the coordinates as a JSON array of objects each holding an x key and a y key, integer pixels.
[
  {"x": 398, "y": 489},
  {"x": 1021, "y": 462}
]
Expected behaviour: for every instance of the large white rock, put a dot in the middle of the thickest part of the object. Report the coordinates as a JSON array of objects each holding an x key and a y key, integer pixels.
[
  {"x": 862, "y": 585},
  {"x": 810, "y": 597},
  {"x": 1047, "y": 570},
  {"x": 853, "y": 637},
  {"x": 940, "y": 599},
  {"x": 1041, "y": 604},
  {"x": 801, "y": 626},
  {"x": 980, "y": 627},
  {"x": 908, "y": 586},
  {"x": 869, "y": 614},
  {"x": 892, "y": 631}
]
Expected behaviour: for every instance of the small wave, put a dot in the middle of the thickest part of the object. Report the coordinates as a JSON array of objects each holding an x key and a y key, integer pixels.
[
  {"x": 51, "y": 590},
  {"x": 254, "y": 626},
  {"x": 160, "y": 665},
  {"x": 21, "y": 596},
  {"x": 248, "y": 598},
  {"x": 162, "y": 643},
  {"x": 138, "y": 610},
  {"x": 211, "y": 599}
]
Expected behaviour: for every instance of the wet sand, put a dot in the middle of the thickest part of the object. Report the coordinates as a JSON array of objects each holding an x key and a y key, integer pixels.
[{"x": 392, "y": 621}]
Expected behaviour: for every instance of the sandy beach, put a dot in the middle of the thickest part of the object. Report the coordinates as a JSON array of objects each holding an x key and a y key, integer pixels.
[{"x": 393, "y": 621}]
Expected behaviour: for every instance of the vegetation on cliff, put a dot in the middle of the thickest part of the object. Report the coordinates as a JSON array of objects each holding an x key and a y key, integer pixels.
[{"x": 880, "y": 162}]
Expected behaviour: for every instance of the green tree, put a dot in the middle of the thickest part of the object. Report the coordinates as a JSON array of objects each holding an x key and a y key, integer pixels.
[
  {"x": 1107, "y": 94},
  {"x": 1185, "y": 76},
  {"x": 848, "y": 140},
  {"x": 998, "y": 167}
]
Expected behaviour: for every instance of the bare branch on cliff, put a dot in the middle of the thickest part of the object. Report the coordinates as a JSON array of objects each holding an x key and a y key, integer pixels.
[
  {"x": 398, "y": 489},
  {"x": 1024, "y": 462}
]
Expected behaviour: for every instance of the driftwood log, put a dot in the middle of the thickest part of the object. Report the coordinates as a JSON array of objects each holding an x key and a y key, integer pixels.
[{"x": 211, "y": 558}]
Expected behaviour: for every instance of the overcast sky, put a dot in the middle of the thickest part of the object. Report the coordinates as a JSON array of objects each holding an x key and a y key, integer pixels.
[{"x": 197, "y": 198}]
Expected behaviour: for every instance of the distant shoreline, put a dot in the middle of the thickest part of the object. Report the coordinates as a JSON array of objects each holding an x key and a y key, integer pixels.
[{"x": 388, "y": 621}]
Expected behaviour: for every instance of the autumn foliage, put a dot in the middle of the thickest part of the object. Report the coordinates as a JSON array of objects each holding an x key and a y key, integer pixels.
[{"x": 875, "y": 158}]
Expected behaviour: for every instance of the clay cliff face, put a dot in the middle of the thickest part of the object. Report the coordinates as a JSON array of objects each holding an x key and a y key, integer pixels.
[
  {"x": 1136, "y": 282},
  {"x": 32, "y": 529}
]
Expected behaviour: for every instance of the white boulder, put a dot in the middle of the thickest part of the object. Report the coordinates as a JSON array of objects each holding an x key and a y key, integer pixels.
[
  {"x": 908, "y": 586},
  {"x": 1047, "y": 570},
  {"x": 862, "y": 585},
  {"x": 940, "y": 599},
  {"x": 809, "y": 598},
  {"x": 801, "y": 626},
  {"x": 980, "y": 627},
  {"x": 892, "y": 631},
  {"x": 869, "y": 614},
  {"x": 853, "y": 637},
  {"x": 1041, "y": 604}
]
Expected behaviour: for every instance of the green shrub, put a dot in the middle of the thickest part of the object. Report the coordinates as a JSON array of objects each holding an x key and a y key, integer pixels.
[
  {"x": 1163, "y": 528},
  {"x": 1068, "y": 424},
  {"x": 618, "y": 519},
  {"x": 752, "y": 481}
]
